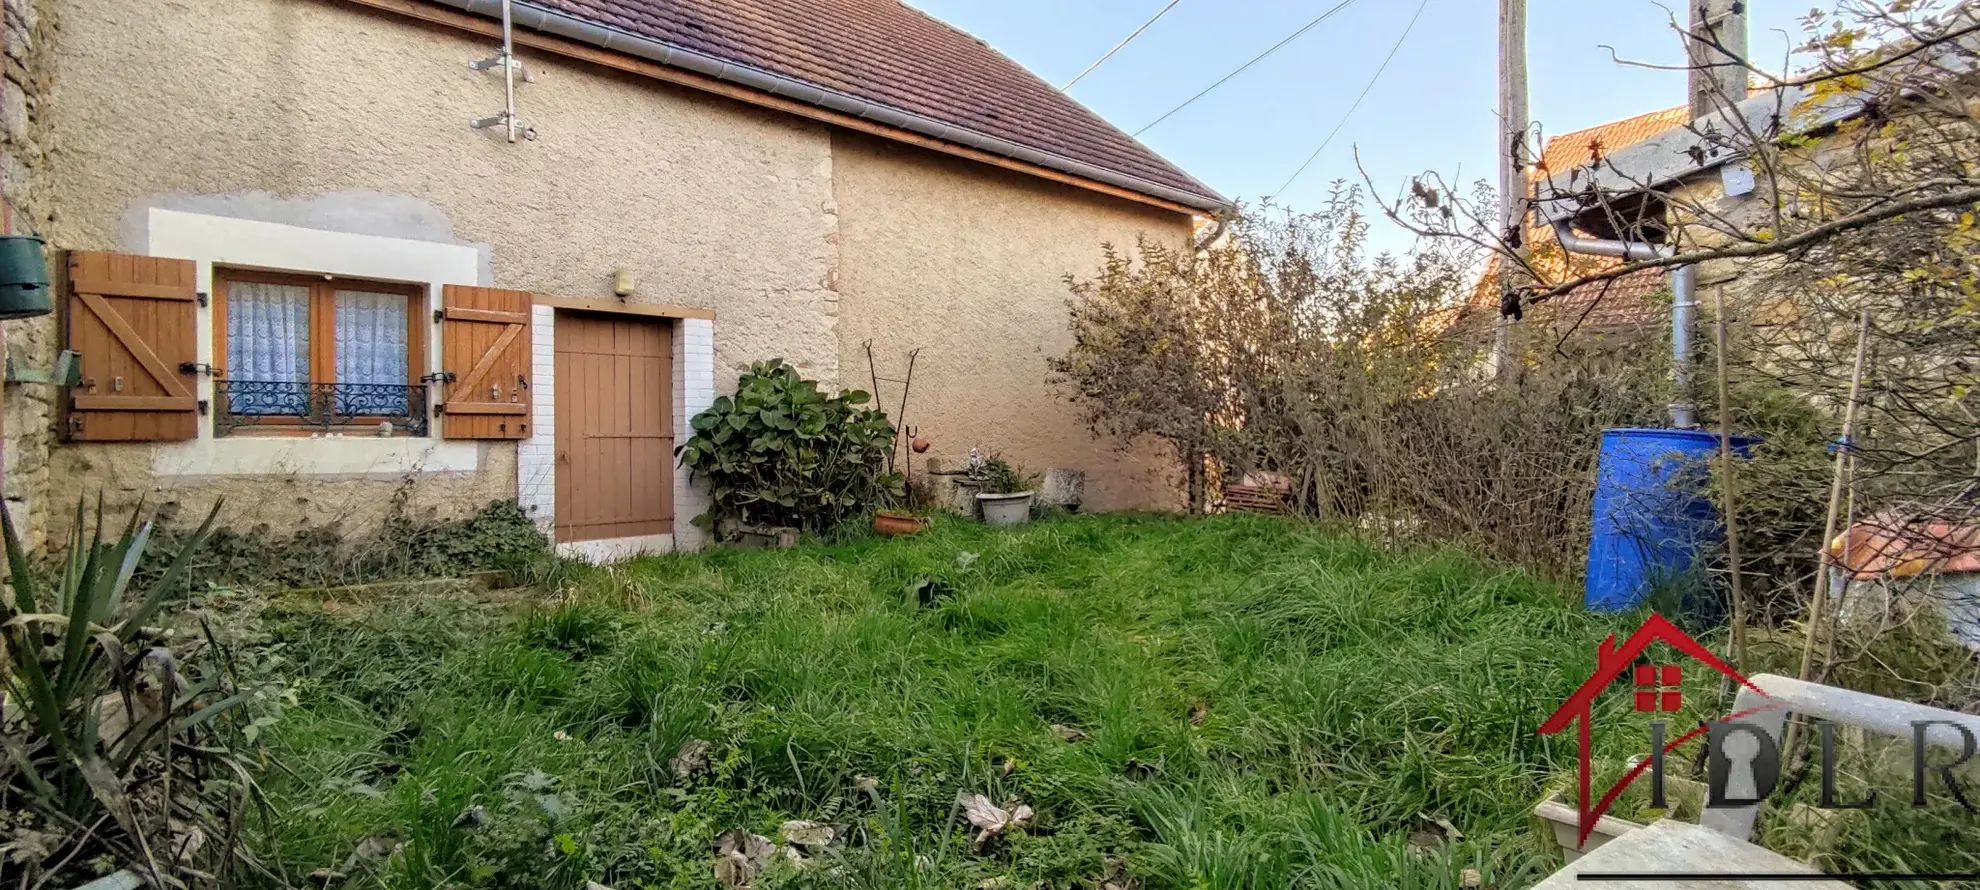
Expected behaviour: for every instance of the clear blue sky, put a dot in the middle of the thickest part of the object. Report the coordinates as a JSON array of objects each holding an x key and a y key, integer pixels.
[{"x": 1433, "y": 109}]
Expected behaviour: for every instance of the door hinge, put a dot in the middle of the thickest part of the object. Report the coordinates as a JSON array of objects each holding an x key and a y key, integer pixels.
[{"x": 438, "y": 377}]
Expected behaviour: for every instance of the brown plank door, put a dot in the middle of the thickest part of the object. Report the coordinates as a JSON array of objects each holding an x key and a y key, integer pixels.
[
  {"x": 131, "y": 320},
  {"x": 615, "y": 427}
]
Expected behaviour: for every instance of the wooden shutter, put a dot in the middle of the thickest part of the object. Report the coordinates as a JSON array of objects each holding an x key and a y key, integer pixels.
[
  {"x": 484, "y": 348},
  {"x": 131, "y": 319}
]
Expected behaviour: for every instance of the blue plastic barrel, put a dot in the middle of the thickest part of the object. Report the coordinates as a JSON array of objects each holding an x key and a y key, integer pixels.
[{"x": 1654, "y": 516}]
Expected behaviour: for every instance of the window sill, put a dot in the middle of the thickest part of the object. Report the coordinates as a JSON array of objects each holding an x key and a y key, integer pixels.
[
  {"x": 306, "y": 431},
  {"x": 314, "y": 454}
]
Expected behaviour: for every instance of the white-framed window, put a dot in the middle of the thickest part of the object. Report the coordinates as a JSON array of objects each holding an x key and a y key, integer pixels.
[{"x": 298, "y": 353}]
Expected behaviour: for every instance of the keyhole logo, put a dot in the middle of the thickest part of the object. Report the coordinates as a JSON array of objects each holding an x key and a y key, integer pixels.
[{"x": 1743, "y": 764}]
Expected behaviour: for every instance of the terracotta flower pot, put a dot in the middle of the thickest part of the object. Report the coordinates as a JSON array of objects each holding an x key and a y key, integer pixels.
[{"x": 888, "y": 524}]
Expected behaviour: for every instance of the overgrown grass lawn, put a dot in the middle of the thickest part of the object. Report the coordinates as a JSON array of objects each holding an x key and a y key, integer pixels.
[{"x": 1230, "y": 702}]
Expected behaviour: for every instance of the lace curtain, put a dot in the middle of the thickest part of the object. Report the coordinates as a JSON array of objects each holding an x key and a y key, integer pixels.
[
  {"x": 268, "y": 348},
  {"x": 371, "y": 353},
  {"x": 268, "y": 351}
]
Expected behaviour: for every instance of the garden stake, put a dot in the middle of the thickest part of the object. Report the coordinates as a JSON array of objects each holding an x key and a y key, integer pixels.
[
  {"x": 907, "y": 383},
  {"x": 1729, "y": 505},
  {"x": 1842, "y": 592},
  {"x": 1819, "y": 603}
]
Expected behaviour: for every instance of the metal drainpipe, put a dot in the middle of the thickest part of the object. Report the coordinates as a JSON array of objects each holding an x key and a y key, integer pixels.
[{"x": 1684, "y": 306}]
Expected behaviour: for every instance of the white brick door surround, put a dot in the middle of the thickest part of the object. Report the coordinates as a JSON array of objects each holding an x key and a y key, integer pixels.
[{"x": 536, "y": 457}]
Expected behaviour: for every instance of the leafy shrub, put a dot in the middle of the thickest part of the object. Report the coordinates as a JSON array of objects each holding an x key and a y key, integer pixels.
[
  {"x": 999, "y": 476},
  {"x": 782, "y": 453},
  {"x": 117, "y": 755}
]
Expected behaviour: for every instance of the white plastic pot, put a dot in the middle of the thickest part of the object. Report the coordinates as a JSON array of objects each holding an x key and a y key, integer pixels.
[{"x": 1005, "y": 509}]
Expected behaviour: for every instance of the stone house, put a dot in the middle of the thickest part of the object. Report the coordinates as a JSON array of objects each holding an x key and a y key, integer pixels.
[{"x": 315, "y": 259}]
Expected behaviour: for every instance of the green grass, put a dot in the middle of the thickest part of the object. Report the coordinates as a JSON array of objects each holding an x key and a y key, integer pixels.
[{"x": 1265, "y": 705}]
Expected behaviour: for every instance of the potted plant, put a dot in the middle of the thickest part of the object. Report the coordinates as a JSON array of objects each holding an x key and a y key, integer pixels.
[
  {"x": 896, "y": 523},
  {"x": 1005, "y": 492},
  {"x": 907, "y": 514}
]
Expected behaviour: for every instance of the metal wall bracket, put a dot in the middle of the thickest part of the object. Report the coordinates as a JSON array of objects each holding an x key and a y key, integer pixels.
[
  {"x": 67, "y": 370},
  {"x": 521, "y": 129},
  {"x": 495, "y": 61}
]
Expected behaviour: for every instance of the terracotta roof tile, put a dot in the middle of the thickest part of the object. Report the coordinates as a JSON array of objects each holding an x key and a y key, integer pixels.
[
  {"x": 1570, "y": 150},
  {"x": 1618, "y": 303},
  {"x": 885, "y": 52}
]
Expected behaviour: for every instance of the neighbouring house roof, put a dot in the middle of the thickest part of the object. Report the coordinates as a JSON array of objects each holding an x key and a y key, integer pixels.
[
  {"x": 1570, "y": 150},
  {"x": 1768, "y": 112},
  {"x": 1620, "y": 302},
  {"x": 874, "y": 59}
]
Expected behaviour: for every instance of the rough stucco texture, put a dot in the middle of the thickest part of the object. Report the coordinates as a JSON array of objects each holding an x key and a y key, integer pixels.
[
  {"x": 283, "y": 504},
  {"x": 709, "y": 203},
  {"x": 967, "y": 263},
  {"x": 269, "y": 109}
]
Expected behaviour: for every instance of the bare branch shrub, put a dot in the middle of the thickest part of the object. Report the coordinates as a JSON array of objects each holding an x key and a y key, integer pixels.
[
  {"x": 1289, "y": 349},
  {"x": 1866, "y": 168}
]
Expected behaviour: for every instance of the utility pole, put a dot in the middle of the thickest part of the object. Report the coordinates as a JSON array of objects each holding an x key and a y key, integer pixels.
[
  {"x": 1512, "y": 169},
  {"x": 1715, "y": 50}
]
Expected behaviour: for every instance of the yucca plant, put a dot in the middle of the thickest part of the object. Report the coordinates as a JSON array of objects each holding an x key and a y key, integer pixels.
[{"x": 115, "y": 754}]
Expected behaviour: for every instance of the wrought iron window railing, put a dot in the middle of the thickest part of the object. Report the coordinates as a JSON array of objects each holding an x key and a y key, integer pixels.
[{"x": 245, "y": 403}]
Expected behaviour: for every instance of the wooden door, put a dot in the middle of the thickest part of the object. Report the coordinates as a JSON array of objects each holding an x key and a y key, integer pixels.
[{"x": 615, "y": 427}]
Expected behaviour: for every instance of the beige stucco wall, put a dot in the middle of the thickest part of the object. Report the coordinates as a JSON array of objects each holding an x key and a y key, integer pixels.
[
  {"x": 280, "y": 504},
  {"x": 967, "y": 263},
  {"x": 322, "y": 114}
]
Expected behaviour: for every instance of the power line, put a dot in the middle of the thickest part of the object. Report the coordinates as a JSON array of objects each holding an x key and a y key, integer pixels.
[
  {"x": 1254, "y": 60},
  {"x": 1117, "y": 47},
  {"x": 1357, "y": 100}
]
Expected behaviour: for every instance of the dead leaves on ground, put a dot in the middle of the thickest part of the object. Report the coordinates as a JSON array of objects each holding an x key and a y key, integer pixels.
[
  {"x": 992, "y": 820},
  {"x": 691, "y": 760},
  {"x": 740, "y": 856}
]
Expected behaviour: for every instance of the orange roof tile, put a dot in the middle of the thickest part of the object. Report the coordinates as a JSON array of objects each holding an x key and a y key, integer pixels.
[
  {"x": 1570, "y": 150},
  {"x": 1620, "y": 302}
]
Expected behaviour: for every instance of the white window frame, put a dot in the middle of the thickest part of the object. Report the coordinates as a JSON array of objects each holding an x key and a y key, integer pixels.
[{"x": 210, "y": 240}]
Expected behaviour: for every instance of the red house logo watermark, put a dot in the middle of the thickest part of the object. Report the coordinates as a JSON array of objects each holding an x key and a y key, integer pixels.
[{"x": 1657, "y": 689}]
